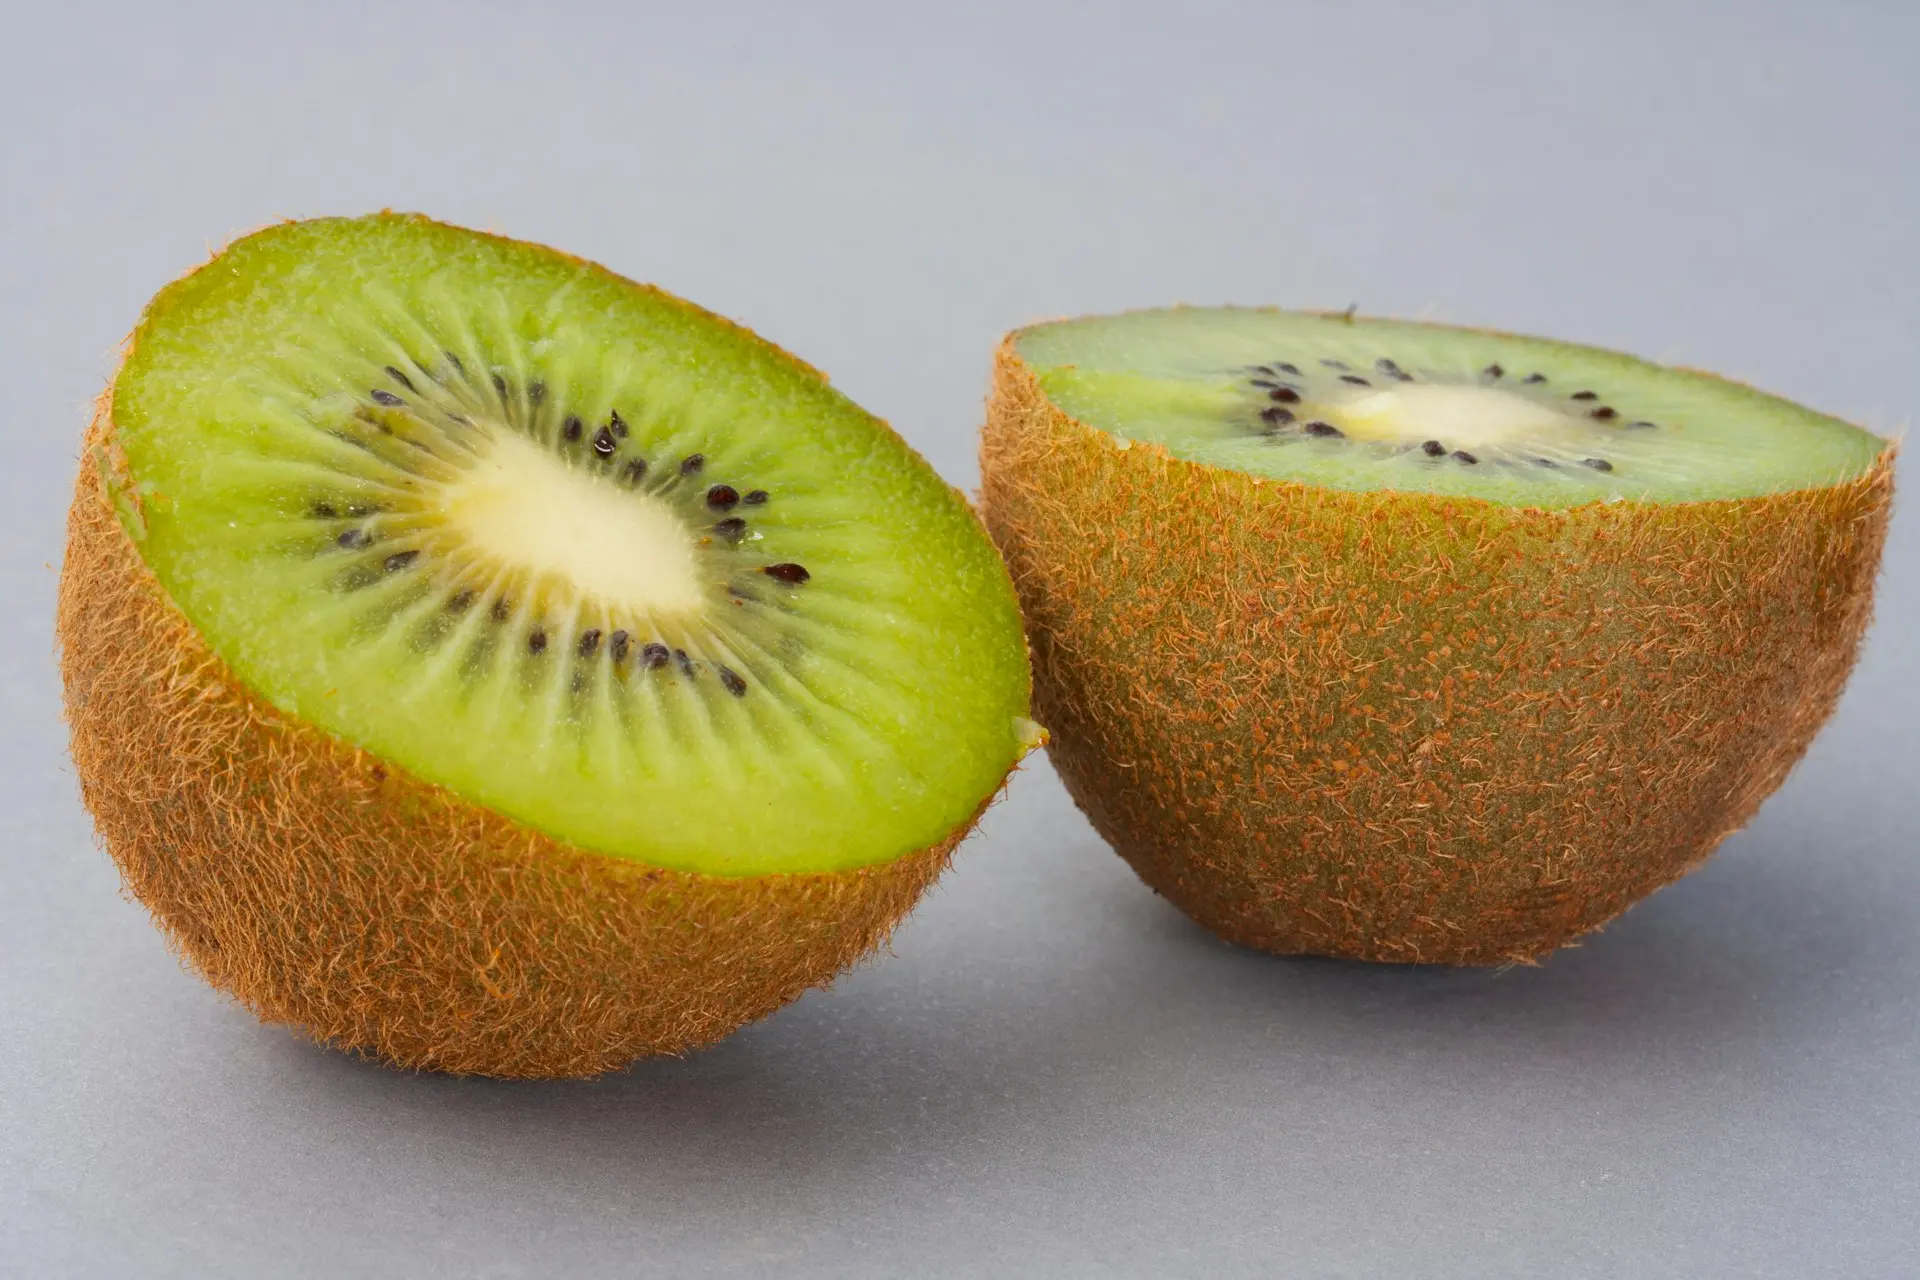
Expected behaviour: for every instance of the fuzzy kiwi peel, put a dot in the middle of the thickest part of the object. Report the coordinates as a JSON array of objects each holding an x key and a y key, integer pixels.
[
  {"x": 491, "y": 665},
  {"x": 1347, "y": 694}
]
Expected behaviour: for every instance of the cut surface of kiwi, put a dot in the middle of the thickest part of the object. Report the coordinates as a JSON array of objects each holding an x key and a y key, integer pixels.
[
  {"x": 574, "y": 549},
  {"x": 1367, "y": 404},
  {"x": 1402, "y": 643}
]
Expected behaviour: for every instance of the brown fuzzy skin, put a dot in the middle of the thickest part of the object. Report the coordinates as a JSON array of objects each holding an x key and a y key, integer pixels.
[
  {"x": 328, "y": 889},
  {"x": 1396, "y": 727}
]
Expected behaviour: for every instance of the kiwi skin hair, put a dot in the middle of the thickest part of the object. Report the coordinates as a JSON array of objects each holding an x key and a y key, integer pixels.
[
  {"x": 329, "y": 889},
  {"x": 1569, "y": 708}
]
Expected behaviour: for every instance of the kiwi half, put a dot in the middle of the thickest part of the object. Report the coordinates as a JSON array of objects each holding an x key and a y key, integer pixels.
[
  {"x": 494, "y": 665},
  {"x": 1408, "y": 643}
]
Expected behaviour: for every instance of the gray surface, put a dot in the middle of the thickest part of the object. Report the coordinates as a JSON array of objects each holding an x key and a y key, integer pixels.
[{"x": 1054, "y": 1073}]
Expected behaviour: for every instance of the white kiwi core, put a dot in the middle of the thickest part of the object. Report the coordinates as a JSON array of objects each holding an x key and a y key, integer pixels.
[
  {"x": 1466, "y": 417},
  {"x": 527, "y": 510}
]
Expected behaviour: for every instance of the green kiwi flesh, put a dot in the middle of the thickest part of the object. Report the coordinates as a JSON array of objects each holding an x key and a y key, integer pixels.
[
  {"x": 1365, "y": 404},
  {"x": 574, "y": 549}
]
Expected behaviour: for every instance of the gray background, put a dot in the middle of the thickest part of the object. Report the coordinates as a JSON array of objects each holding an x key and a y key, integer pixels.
[{"x": 1054, "y": 1073}]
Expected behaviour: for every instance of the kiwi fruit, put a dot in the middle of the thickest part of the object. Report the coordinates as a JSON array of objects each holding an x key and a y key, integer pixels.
[
  {"x": 489, "y": 664},
  {"x": 1402, "y": 642}
]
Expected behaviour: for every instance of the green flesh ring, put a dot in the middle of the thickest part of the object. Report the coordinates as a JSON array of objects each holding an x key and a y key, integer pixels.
[
  {"x": 574, "y": 549},
  {"x": 1361, "y": 404}
]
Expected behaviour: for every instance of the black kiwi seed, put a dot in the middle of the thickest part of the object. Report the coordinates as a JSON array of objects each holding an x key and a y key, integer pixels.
[
  {"x": 686, "y": 663},
  {"x": 589, "y": 642},
  {"x": 654, "y": 656},
  {"x": 1640, "y": 426},
  {"x": 1285, "y": 395},
  {"x": 1334, "y": 364},
  {"x": 1545, "y": 462},
  {"x": 634, "y": 470},
  {"x": 1493, "y": 371},
  {"x": 383, "y": 396},
  {"x": 617, "y": 423},
  {"x": 603, "y": 443},
  {"x": 1598, "y": 464},
  {"x": 733, "y": 528},
  {"x": 400, "y": 378},
  {"x": 758, "y": 497},
  {"x": 401, "y": 559},
  {"x": 502, "y": 609},
  {"x": 536, "y": 391},
  {"x": 1535, "y": 378},
  {"x": 351, "y": 538},
  {"x": 500, "y": 386},
  {"x": 1284, "y": 367},
  {"x": 1265, "y": 384},
  {"x": 692, "y": 463},
  {"x": 1354, "y": 379},
  {"x": 1604, "y": 412},
  {"x": 1465, "y": 457},
  {"x": 617, "y": 644},
  {"x": 537, "y": 641},
  {"x": 722, "y": 496},
  {"x": 1323, "y": 429},
  {"x": 793, "y": 573},
  {"x": 460, "y": 601},
  {"x": 454, "y": 360},
  {"x": 1276, "y": 414},
  {"x": 1583, "y": 395},
  {"x": 323, "y": 511},
  {"x": 571, "y": 428},
  {"x": 1433, "y": 448},
  {"x": 735, "y": 685}
]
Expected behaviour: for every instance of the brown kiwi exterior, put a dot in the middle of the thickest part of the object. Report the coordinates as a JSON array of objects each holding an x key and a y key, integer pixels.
[
  {"x": 375, "y": 912},
  {"x": 1396, "y": 727}
]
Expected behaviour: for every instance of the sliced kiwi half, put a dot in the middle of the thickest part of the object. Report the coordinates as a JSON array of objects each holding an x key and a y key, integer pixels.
[
  {"x": 570, "y": 572},
  {"x": 1404, "y": 642}
]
